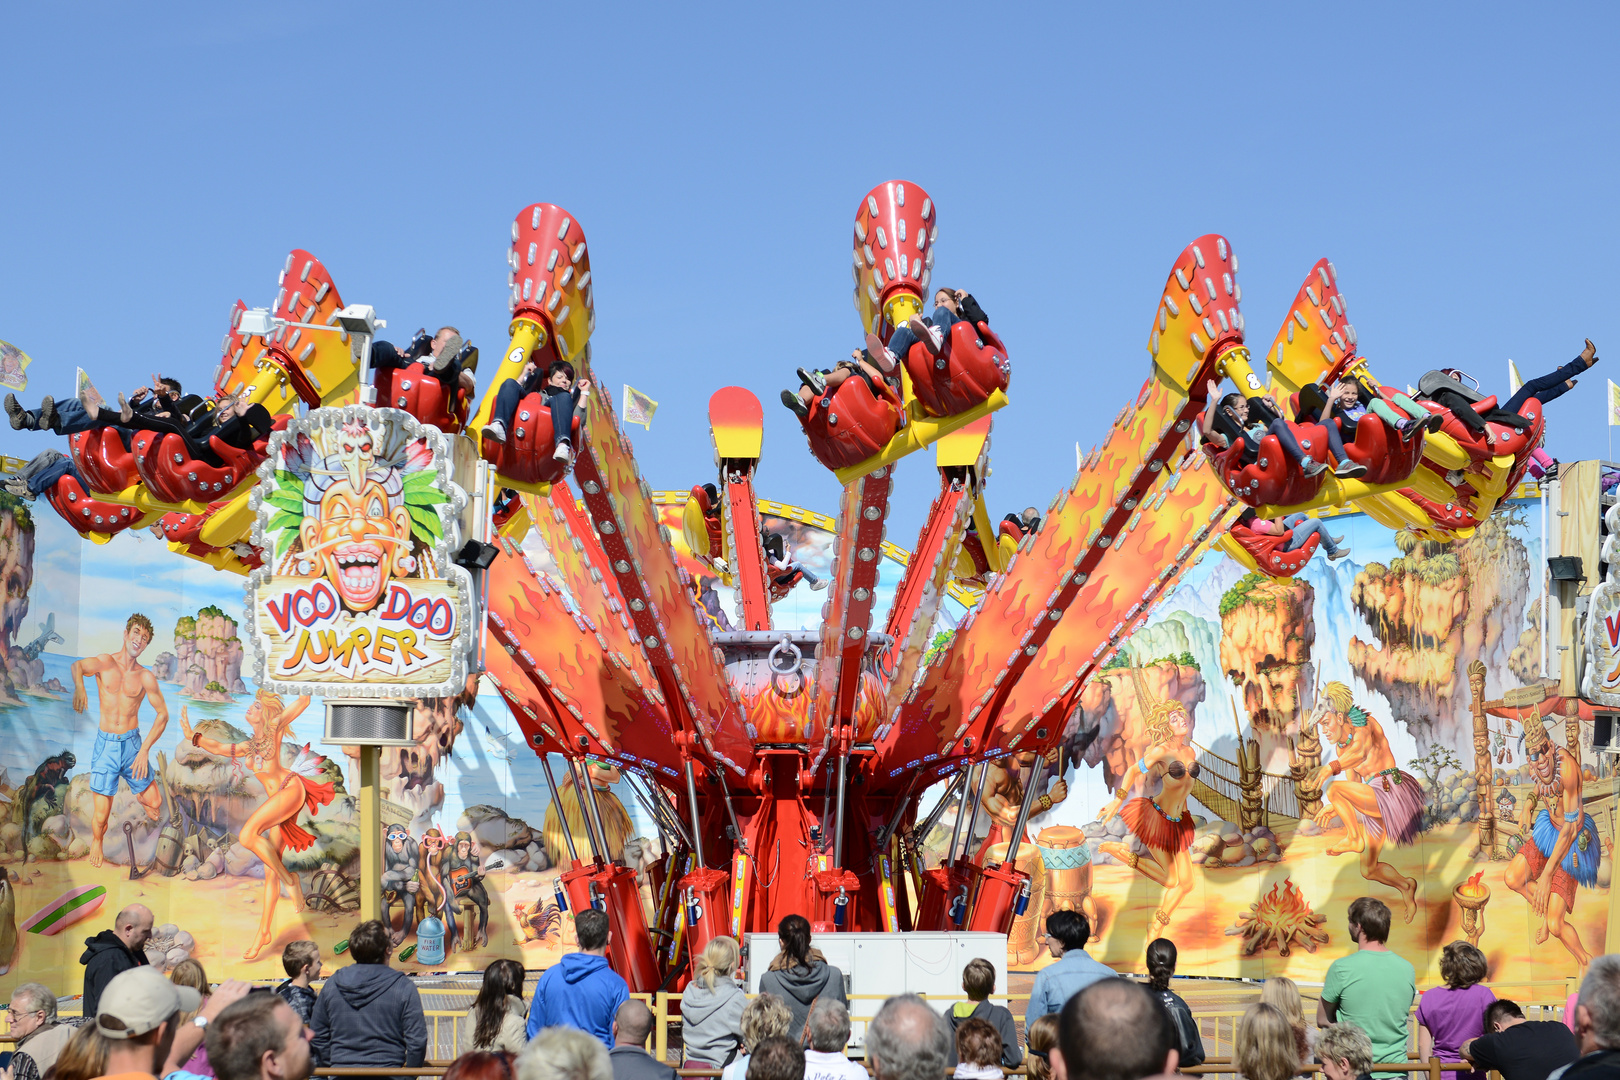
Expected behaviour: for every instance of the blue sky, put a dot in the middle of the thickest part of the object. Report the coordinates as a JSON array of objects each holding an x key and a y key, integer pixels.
[{"x": 1455, "y": 162}]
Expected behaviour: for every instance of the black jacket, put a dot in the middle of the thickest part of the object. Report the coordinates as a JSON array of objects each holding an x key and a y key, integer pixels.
[
  {"x": 104, "y": 957},
  {"x": 971, "y": 311},
  {"x": 369, "y": 1014}
]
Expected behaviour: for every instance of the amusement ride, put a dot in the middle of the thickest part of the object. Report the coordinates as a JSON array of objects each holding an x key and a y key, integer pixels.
[{"x": 785, "y": 768}]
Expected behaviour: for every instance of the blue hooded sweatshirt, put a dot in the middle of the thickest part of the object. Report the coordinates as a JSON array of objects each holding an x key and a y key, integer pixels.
[{"x": 582, "y": 992}]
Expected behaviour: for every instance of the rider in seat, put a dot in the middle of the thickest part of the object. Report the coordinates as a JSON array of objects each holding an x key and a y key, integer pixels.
[
  {"x": 1297, "y": 527},
  {"x": 1234, "y": 419},
  {"x": 1351, "y": 399},
  {"x": 71, "y": 415},
  {"x": 562, "y": 398},
  {"x": 785, "y": 572},
  {"x": 1459, "y": 392},
  {"x": 819, "y": 383},
  {"x": 951, "y": 306},
  {"x": 443, "y": 355}
]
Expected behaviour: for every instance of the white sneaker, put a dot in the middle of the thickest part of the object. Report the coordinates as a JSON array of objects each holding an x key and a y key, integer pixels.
[
  {"x": 495, "y": 431},
  {"x": 818, "y": 585},
  {"x": 562, "y": 453}
]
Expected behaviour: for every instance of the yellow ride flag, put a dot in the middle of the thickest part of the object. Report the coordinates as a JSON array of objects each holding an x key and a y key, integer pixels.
[{"x": 638, "y": 407}]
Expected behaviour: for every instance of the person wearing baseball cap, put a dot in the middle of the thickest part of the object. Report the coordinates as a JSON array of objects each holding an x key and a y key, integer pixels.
[{"x": 138, "y": 1013}]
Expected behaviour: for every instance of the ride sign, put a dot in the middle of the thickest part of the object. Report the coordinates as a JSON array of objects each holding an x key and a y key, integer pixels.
[{"x": 356, "y": 521}]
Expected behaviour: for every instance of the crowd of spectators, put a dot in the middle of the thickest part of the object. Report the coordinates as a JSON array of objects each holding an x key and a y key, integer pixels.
[{"x": 1085, "y": 1022}]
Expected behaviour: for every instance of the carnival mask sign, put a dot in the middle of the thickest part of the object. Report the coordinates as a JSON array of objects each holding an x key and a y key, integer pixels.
[{"x": 358, "y": 595}]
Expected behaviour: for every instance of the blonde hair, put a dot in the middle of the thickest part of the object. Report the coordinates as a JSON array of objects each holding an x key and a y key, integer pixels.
[
  {"x": 189, "y": 972},
  {"x": 1282, "y": 994},
  {"x": 1158, "y": 719},
  {"x": 765, "y": 1016},
  {"x": 270, "y": 705},
  {"x": 562, "y": 1053},
  {"x": 1263, "y": 1047},
  {"x": 719, "y": 960},
  {"x": 1347, "y": 1043},
  {"x": 1041, "y": 1035},
  {"x": 1338, "y": 696}
]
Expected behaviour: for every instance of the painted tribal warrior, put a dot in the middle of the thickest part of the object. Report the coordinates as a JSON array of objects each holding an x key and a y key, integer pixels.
[
  {"x": 1377, "y": 801},
  {"x": 1559, "y": 851},
  {"x": 1162, "y": 822}
]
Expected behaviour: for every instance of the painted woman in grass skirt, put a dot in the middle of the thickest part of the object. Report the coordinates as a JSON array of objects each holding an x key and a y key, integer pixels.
[
  {"x": 1162, "y": 822},
  {"x": 289, "y": 791}
]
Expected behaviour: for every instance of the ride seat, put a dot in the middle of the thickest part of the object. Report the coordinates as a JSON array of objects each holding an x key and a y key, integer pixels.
[
  {"x": 972, "y": 366},
  {"x": 86, "y": 514},
  {"x": 1267, "y": 550},
  {"x": 852, "y": 423},
  {"x": 525, "y": 456},
  {"x": 103, "y": 458},
  {"x": 418, "y": 391}
]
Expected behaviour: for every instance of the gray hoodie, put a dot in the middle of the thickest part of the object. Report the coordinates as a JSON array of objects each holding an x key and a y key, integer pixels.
[
  {"x": 799, "y": 987},
  {"x": 711, "y": 1020}
]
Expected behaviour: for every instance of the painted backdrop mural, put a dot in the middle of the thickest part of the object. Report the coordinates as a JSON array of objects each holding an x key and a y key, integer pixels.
[{"x": 1265, "y": 752}]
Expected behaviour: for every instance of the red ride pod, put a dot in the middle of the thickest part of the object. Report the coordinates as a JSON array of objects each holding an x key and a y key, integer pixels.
[
  {"x": 173, "y": 475},
  {"x": 972, "y": 367},
  {"x": 87, "y": 515},
  {"x": 850, "y": 424},
  {"x": 1268, "y": 553},
  {"x": 101, "y": 457},
  {"x": 418, "y": 391},
  {"x": 1274, "y": 478},
  {"x": 525, "y": 456}
]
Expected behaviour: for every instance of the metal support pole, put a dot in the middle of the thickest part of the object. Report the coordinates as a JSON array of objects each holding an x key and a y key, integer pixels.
[
  {"x": 668, "y": 838},
  {"x": 593, "y": 809},
  {"x": 838, "y": 823},
  {"x": 371, "y": 839},
  {"x": 826, "y": 811},
  {"x": 660, "y": 798},
  {"x": 697, "y": 821},
  {"x": 882, "y": 843},
  {"x": 1037, "y": 775},
  {"x": 921, "y": 831},
  {"x": 556, "y": 800},
  {"x": 731, "y": 813},
  {"x": 597, "y": 846},
  {"x": 973, "y": 815},
  {"x": 961, "y": 812}
]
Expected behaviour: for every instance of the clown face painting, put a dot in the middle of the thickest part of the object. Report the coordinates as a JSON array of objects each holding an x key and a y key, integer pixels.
[
  {"x": 359, "y": 533},
  {"x": 356, "y": 521}
]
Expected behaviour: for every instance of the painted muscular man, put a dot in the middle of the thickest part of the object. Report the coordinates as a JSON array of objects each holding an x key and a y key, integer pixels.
[
  {"x": 120, "y": 752},
  {"x": 1561, "y": 847},
  {"x": 1376, "y": 800},
  {"x": 1003, "y": 798}
]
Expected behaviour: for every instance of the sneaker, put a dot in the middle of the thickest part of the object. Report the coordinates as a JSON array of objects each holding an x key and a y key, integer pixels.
[
  {"x": 48, "y": 419},
  {"x": 1435, "y": 420},
  {"x": 813, "y": 380},
  {"x": 563, "y": 451},
  {"x": 791, "y": 400},
  {"x": 1338, "y": 541},
  {"x": 928, "y": 334},
  {"x": 20, "y": 418},
  {"x": 1337, "y": 555},
  {"x": 16, "y": 485},
  {"x": 495, "y": 431},
  {"x": 880, "y": 354},
  {"x": 1407, "y": 426},
  {"x": 1311, "y": 467},
  {"x": 1349, "y": 470},
  {"x": 819, "y": 585},
  {"x": 451, "y": 350}
]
